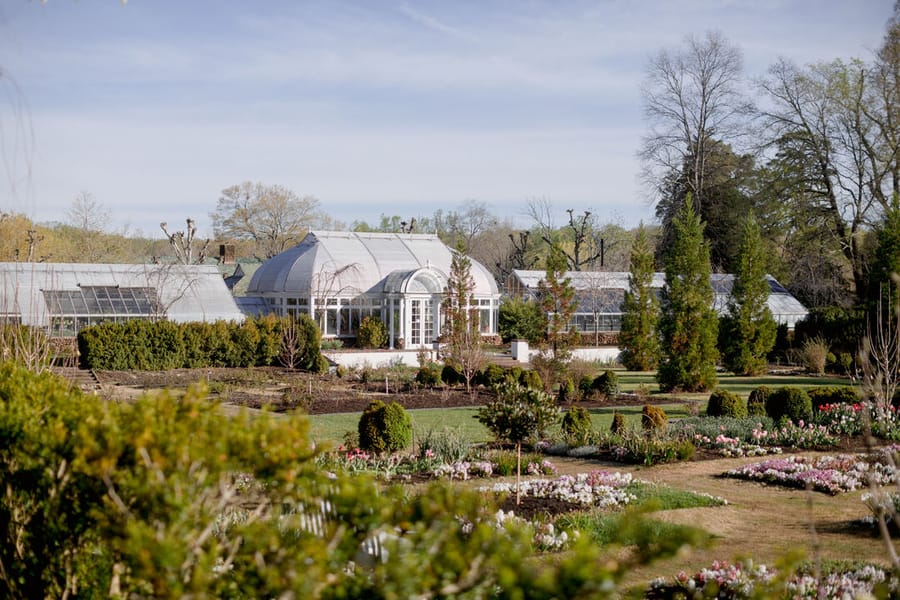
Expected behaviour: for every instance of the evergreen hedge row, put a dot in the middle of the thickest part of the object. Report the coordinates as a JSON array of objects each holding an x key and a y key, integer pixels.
[{"x": 160, "y": 345}]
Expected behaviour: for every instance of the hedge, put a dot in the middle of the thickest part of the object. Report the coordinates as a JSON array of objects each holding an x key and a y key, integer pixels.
[{"x": 161, "y": 345}]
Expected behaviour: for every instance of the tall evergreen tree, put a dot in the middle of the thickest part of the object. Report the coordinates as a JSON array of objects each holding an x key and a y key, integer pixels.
[
  {"x": 463, "y": 348},
  {"x": 559, "y": 303},
  {"x": 688, "y": 324},
  {"x": 748, "y": 333},
  {"x": 640, "y": 309}
]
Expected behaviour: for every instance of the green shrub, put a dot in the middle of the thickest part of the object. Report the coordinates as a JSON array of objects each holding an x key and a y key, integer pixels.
[
  {"x": 531, "y": 379},
  {"x": 514, "y": 374},
  {"x": 756, "y": 401},
  {"x": 504, "y": 463},
  {"x": 606, "y": 384},
  {"x": 447, "y": 445},
  {"x": 654, "y": 418},
  {"x": 711, "y": 427},
  {"x": 429, "y": 375},
  {"x": 789, "y": 403},
  {"x": 451, "y": 376},
  {"x": 491, "y": 375},
  {"x": 838, "y": 394},
  {"x": 566, "y": 392},
  {"x": 586, "y": 386},
  {"x": 372, "y": 333},
  {"x": 618, "y": 424},
  {"x": 576, "y": 426},
  {"x": 163, "y": 345},
  {"x": 723, "y": 403},
  {"x": 384, "y": 427},
  {"x": 652, "y": 450}
]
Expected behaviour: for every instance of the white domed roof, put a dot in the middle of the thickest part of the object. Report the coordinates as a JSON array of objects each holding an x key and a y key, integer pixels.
[{"x": 345, "y": 263}]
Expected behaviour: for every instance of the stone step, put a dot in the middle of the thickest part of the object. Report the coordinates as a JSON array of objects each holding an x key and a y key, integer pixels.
[{"x": 85, "y": 379}]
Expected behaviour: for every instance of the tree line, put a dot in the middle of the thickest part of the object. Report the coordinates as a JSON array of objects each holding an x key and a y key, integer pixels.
[{"x": 811, "y": 151}]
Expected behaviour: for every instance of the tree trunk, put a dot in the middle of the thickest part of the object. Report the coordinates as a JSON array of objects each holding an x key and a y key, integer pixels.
[{"x": 518, "y": 472}]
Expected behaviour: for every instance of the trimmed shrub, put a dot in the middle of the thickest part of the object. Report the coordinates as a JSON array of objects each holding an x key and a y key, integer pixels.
[
  {"x": 618, "y": 424},
  {"x": 491, "y": 375},
  {"x": 372, "y": 333},
  {"x": 838, "y": 394},
  {"x": 654, "y": 418},
  {"x": 531, "y": 379},
  {"x": 723, "y": 403},
  {"x": 450, "y": 375},
  {"x": 429, "y": 375},
  {"x": 514, "y": 374},
  {"x": 606, "y": 384},
  {"x": 576, "y": 426},
  {"x": 384, "y": 427},
  {"x": 566, "y": 392},
  {"x": 756, "y": 402},
  {"x": 586, "y": 386},
  {"x": 789, "y": 403}
]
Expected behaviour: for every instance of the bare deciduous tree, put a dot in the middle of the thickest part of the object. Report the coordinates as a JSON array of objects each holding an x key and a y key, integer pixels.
[
  {"x": 879, "y": 357},
  {"x": 692, "y": 98},
  {"x": 182, "y": 243},
  {"x": 273, "y": 217}
]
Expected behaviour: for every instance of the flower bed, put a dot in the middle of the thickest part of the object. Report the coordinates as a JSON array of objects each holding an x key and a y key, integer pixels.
[
  {"x": 746, "y": 580},
  {"x": 600, "y": 489},
  {"x": 829, "y": 474}
]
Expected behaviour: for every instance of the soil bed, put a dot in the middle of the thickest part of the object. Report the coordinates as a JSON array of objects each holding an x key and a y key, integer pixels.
[{"x": 282, "y": 390}]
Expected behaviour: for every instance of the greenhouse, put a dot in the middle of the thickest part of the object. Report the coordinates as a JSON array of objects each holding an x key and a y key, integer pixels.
[
  {"x": 65, "y": 297},
  {"x": 600, "y": 295},
  {"x": 339, "y": 278}
]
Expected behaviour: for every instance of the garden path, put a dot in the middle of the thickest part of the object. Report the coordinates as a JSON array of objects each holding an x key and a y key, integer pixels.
[{"x": 764, "y": 522}]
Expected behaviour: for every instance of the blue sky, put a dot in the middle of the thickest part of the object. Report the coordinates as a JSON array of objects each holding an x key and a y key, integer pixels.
[{"x": 372, "y": 106}]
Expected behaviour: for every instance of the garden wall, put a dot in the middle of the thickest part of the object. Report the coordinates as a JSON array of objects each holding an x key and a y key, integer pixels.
[{"x": 377, "y": 358}]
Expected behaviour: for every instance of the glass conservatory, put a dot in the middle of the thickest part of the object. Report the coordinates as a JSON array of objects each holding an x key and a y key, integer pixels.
[{"x": 339, "y": 278}]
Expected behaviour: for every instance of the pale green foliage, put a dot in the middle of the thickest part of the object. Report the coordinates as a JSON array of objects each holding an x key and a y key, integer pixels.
[
  {"x": 519, "y": 413},
  {"x": 372, "y": 333},
  {"x": 169, "y": 498},
  {"x": 689, "y": 324},
  {"x": 748, "y": 334},
  {"x": 640, "y": 309}
]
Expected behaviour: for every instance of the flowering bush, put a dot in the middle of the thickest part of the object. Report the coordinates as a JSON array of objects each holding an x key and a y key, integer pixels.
[
  {"x": 597, "y": 489},
  {"x": 746, "y": 580},
  {"x": 830, "y": 474}
]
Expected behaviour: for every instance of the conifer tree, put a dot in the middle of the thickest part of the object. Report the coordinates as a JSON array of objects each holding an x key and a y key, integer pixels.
[
  {"x": 640, "y": 309},
  {"x": 559, "y": 303},
  {"x": 463, "y": 349},
  {"x": 883, "y": 288},
  {"x": 748, "y": 333},
  {"x": 688, "y": 324}
]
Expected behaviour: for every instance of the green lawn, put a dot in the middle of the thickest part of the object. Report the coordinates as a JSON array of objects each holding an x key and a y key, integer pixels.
[
  {"x": 629, "y": 381},
  {"x": 332, "y": 427}
]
